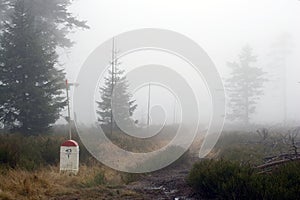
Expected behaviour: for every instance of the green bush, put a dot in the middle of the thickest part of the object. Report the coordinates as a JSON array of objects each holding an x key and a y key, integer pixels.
[
  {"x": 230, "y": 180},
  {"x": 33, "y": 152},
  {"x": 221, "y": 179},
  {"x": 98, "y": 179},
  {"x": 129, "y": 177},
  {"x": 283, "y": 183},
  {"x": 17, "y": 151}
]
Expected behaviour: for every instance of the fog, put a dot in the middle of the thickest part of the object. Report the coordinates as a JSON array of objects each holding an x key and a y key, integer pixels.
[{"x": 221, "y": 28}]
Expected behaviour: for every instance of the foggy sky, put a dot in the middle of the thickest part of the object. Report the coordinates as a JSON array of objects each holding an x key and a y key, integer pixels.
[{"x": 221, "y": 27}]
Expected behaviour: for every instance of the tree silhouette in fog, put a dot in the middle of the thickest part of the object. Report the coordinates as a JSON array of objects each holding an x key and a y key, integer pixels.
[
  {"x": 53, "y": 15},
  {"x": 31, "y": 85},
  {"x": 123, "y": 103},
  {"x": 244, "y": 86}
]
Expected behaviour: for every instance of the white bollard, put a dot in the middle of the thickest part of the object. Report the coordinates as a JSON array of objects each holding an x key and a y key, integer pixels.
[{"x": 69, "y": 157}]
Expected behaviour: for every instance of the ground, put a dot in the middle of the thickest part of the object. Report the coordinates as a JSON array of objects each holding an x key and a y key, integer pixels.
[{"x": 165, "y": 184}]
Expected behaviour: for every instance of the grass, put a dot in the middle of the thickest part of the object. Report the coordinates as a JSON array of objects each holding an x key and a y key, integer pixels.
[
  {"x": 249, "y": 147},
  {"x": 231, "y": 174},
  {"x": 47, "y": 183},
  {"x": 29, "y": 167}
]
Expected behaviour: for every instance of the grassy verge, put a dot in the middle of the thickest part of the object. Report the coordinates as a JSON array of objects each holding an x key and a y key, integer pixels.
[{"x": 95, "y": 182}]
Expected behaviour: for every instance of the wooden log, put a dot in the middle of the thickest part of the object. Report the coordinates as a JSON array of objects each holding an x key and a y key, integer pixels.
[{"x": 279, "y": 162}]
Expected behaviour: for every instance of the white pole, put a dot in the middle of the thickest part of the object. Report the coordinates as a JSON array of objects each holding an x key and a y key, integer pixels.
[{"x": 69, "y": 112}]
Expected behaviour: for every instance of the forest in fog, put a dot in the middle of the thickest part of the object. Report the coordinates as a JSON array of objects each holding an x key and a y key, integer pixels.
[{"x": 111, "y": 99}]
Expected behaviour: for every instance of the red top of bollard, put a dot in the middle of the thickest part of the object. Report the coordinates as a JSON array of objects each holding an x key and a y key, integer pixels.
[{"x": 70, "y": 143}]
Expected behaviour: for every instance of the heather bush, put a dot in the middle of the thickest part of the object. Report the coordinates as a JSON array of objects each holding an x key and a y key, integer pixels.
[{"x": 230, "y": 180}]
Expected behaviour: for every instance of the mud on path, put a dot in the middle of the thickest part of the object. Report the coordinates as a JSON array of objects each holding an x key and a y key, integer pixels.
[
  {"x": 169, "y": 183},
  {"x": 164, "y": 184}
]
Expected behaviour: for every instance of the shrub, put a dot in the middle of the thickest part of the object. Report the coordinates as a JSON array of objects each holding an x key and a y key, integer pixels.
[
  {"x": 98, "y": 179},
  {"x": 283, "y": 183},
  {"x": 129, "y": 177},
  {"x": 29, "y": 152},
  {"x": 230, "y": 180},
  {"x": 220, "y": 179}
]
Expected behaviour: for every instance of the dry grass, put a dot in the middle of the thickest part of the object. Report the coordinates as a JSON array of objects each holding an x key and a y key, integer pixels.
[{"x": 48, "y": 183}]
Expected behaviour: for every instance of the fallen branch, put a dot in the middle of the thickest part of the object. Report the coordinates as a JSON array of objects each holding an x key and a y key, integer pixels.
[{"x": 279, "y": 162}]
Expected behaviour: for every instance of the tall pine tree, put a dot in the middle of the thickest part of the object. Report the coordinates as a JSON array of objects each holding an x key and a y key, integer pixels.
[
  {"x": 124, "y": 104},
  {"x": 52, "y": 15},
  {"x": 30, "y": 84},
  {"x": 245, "y": 86}
]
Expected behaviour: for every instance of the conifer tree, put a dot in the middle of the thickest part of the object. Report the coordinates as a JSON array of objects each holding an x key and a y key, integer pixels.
[
  {"x": 52, "y": 15},
  {"x": 245, "y": 86},
  {"x": 31, "y": 86},
  {"x": 124, "y": 104}
]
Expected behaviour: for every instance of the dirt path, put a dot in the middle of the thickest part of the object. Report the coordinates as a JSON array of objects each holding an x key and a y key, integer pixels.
[
  {"x": 168, "y": 183},
  {"x": 161, "y": 185}
]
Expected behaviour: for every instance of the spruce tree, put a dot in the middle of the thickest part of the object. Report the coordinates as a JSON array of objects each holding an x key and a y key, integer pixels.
[
  {"x": 51, "y": 14},
  {"x": 245, "y": 86},
  {"x": 124, "y": 104},
  {"x": 30, "y": 84}
]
